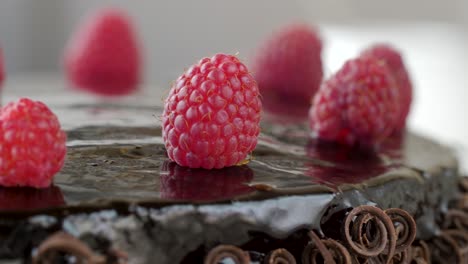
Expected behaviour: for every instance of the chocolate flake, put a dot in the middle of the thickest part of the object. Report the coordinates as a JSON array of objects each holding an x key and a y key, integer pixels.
[
  {"x": 330, "y": 250},
  {"x": 369, "y": 232},
  {"x": 280, "y": 256},
  {"x": 420, "y": 252},
  {"x": 405, "y": 228},
  {"x": 65, "y": 243},
  {"x": 217, "y": 254}
]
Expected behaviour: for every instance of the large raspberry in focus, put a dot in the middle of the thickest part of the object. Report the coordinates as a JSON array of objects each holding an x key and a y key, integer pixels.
[
  {"x": 103, "y": 56},
  {"x": 357, "y": 105},
  {"x": 396, "y": 65},
  {"x": 288, "y": 70},
  {"x": 211, "y": 116},
  {"x": 33, "y": 144},
  {"x": 182, "y": 183}
]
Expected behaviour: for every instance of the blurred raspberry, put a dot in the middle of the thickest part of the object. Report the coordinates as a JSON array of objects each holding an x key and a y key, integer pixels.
[
  {"x": 357, "y": 105},
  {"x": 288, "y": 69},
  {"x": 33, "y": 144},
  {"x": 103, "y": 56},
  {"x": 394, "y": 61},
  {"x": 212, "y": 114},
  {"x": 182, "y": 183}
]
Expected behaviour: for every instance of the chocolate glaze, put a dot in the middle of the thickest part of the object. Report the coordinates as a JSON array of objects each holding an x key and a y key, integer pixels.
[{"x": 118, "y": 184}]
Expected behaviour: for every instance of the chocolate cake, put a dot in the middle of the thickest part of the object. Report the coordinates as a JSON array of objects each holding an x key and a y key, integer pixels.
[{"x": 119, "y": 199}]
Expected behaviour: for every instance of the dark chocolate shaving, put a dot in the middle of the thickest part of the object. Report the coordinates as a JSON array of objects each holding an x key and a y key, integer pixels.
[
  {"x": 464, "y": 184},
  {"x": 369, "y": 232},
  {"x": 402, "y": 257},
  {"x": 455, "y": 218},
  {"x": 61, "y": 242},
  {"x": 420, "y": 252},
  {"x": 328, "y": 249},
  {"x": 405, "y": 228},
  {"x": 280, "y": 256},
  {"x": 445, "y": 249},
  {"x": 217, "y": 254}
]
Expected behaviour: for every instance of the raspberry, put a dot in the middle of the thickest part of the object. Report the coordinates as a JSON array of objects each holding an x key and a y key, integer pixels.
[
  {"x": 395, "y": 63},
  {"x": 288, "y": 69},
  {"x": 211, "y": 116},
  {"x": 103, "y": 56},
  {"x": 357, "y": 105},
  {"x": 33, "y": 144},
  {"x": 15, "y": 198},
  {"x": 181, "y": 183}
]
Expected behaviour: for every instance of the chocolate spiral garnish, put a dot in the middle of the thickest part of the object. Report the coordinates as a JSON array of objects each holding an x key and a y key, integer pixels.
[
  {"x": 402, "y": 257},
  {"x": 280, "y": 256},
  {"x": 405, "y": 228},
  {"x": 460, "y": 237},
  {"x": 339, "y": 252},
  {"x": 61, "y": 242},
  {"x": 367, "y": 230},
  {"x": 420, "y": 252},
  {"x": 217, "y": 254},
  {"x": 330, "y": 251},
  {"x": 445, "y": 249},
  {"x": 456, "y": 218},
  {"x": 462, "y": 203},
  {"x": 464, "y": 184},
  {"x": 315, "y": 248}
]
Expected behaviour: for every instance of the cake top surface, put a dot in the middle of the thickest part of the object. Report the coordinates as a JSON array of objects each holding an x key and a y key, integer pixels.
[{"x": 116, "y": 158}]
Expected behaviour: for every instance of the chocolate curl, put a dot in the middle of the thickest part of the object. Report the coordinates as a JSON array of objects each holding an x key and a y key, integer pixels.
[
  {"x": 330, "y": 250},
  {"x": 460, "y": 238},
  {"x": 63, "y": 242},
  {"x": 217, "y": 254},
  {"x": 420, "y": 253},
  {"x": 402, "y": 257},
  {"x": 367, "y": 230},
  {"x": 462, "y": 203},
  {"x": 445, "y": 249},
  {"x": 456, "y": 219},
  {"x": 405, "y": 228},
  {"x": 280, "y": 256},
  {"x": 464, "y": 184}
]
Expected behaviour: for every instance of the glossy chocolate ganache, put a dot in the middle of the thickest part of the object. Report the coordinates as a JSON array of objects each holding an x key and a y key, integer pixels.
[{"x": 120, "y": 196}]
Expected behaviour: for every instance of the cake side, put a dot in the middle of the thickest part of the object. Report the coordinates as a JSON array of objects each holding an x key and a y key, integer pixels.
[{"x": 118, "y": 189}]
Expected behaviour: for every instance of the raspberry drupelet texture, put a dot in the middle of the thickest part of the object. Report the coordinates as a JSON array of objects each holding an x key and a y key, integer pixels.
[
  {"x": 103, "y": 57},
  {"x": 288, "y": 69},
  {"x": 357, "y": 105},
  {"x": 211, "y": 116},
  {"x": 33, "y": 145},
  {"x": 395, "y": 63}
]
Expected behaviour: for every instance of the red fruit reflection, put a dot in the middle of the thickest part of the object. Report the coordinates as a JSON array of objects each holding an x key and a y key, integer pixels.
[
  {"x": 25, "y": 198},
  {"x": 181, "y": 183},
  {"x": 335, "y": 164}
]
